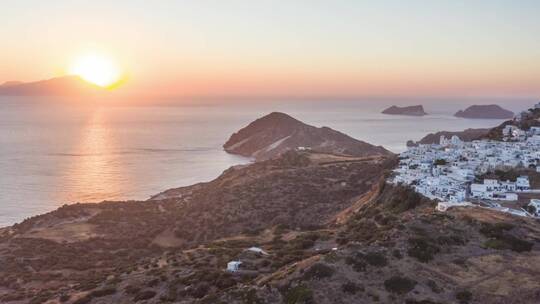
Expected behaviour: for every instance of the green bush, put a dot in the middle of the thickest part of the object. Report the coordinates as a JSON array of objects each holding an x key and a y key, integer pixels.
[
  {"x": 351, "y": 288},
  {"x": 299, "y": 295},
  {"x": 422, "y": 249},
  {"x": 144, "y": 295},
  {"x": 399, "y": 285},
  {"x": 464, "y": 296},
  {"x": 318, "y": 271},
  {"x": 377, "y": 259}
]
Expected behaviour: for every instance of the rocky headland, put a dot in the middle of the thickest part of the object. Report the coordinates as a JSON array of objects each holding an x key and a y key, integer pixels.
[
  {"x": 276, "y": 133},
  {"x": 417, "y": 110},
  {"x": 485, "y": 112}
]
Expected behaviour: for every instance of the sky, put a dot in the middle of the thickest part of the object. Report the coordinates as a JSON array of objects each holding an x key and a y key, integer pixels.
[{"x": 283, "y": 48}]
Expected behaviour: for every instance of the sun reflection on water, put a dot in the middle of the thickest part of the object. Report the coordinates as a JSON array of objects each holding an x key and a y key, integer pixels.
[{"x": 93, "y": 172}]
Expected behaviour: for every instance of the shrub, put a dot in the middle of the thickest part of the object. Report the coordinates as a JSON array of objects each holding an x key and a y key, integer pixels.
[
  {"x": 318, "y": 271},
  {"x": 508, "y": 242},
  {"x": 377, "y": 259},
  {"x": 399, "y": 285},
  {"x": 495, "y": 230},
  {"x": 357, "y": 263},
  {"x": 144, "y": 295},
  {"x": 64, "y": 298},
  {"x": 350, "y": 287},
  {"x": 422, "y": 249},
  {"x": 464, "y": 296},
  {"x": 299, "y": 295}
]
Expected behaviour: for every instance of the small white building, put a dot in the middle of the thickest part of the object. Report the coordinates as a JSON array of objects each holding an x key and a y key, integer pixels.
[
  {"x": 233, "y": 266},
  {"x": 522, "y": 183},
  {"x": 536, "y": 204}
]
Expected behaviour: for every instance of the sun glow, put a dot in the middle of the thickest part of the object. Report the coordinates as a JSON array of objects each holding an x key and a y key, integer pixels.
[{"x": 97, "y": 69}]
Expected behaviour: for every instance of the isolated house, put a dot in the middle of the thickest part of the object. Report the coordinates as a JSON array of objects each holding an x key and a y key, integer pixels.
[{"x": 233, "y": 266}]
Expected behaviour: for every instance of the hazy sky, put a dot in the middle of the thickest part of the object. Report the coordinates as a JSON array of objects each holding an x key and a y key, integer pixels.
[{"x": 228, "y": 47}]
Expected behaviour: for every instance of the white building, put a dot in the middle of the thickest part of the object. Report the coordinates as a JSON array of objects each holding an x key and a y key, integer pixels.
[
  {"x": 536, "y": 204},
  {"x": 522, "y": 183},
  {"x": 233, "y": 266},
  {"x": 257, "y": 250}
]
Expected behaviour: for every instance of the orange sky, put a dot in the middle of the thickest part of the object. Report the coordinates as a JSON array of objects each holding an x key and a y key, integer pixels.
[{"x": 303, "y": 48}]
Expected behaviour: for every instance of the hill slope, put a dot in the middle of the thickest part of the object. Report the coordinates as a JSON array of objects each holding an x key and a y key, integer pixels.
[{"x": 276, "y": 133}]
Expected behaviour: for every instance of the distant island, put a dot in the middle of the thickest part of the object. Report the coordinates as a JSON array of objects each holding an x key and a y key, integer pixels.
[
  {"x": 275, "y": 133},
  {"x": 485, "y": 112},
  {"x": 59, "y": 86},
  {"x": 417, "y": 110}
]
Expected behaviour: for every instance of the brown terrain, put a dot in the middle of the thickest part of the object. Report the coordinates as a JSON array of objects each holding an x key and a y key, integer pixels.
[
  {"x": 275, "y": 133},
  {"x": 334, "y": 231}
]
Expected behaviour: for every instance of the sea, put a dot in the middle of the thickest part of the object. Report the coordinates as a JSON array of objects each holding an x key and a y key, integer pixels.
[{"x": 62, "y": 151}]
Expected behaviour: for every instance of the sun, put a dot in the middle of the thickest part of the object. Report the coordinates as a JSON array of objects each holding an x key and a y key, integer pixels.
[{"x": 96, "y": 68}]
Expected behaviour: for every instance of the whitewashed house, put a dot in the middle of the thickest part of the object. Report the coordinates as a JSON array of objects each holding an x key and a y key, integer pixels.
[
  {"x": 523, "y": 184},
  {"x": 536, "y": 204},
  {"x": 233, "y": 266}
]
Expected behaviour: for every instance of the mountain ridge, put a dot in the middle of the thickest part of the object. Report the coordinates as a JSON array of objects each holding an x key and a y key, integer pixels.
[{"x": 58, "y": 86}]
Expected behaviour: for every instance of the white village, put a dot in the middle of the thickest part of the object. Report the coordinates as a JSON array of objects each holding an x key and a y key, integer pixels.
[{"x": 450, "y": 171}]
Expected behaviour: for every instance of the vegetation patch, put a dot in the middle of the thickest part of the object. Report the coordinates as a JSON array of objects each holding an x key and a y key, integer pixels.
[
  {"x": 318, "y": 271},
  {"x": 501, "y": 239},
  {"x": 399, "y": 285},
  {"x": 144, "y": 295},
  {"x": 300, "y": 294},
  {"x": 464, "y": 296},
  {"x": 423, "y": 249},
  {"x": 351, "y": 288}
]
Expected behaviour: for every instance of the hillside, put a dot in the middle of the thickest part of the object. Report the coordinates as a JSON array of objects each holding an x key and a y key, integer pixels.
[
  {"x": 120, "y": 250},
  {"x": 391, "y": 246},
  {"x": 60, "y": 86},
  {"x": 485, "y": 112},
  {"x": 530, "y": 119},
  {"x": 409, "y": 110},
  {"x": 331, "y": 228},
  {"x": 276, "y": 133},
  {"x": 466, "y": 135}
]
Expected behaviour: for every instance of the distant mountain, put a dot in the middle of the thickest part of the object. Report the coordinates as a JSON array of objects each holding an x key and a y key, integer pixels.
[
  {"x": 10, "y": 83},
  {"x": 276, "y": 133},
  {"x": 59, "y": 86},
  {"x": 417, "y": 110},
  {"x": 485, "y": 112}
]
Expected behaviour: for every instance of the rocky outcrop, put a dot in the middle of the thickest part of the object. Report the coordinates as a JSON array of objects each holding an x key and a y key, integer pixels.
[
  {"x": 485, "y": 112},
  {"x": 276, "y": 133},
  {"x": 409, "y": 111},
  {"x": 466, "y": 135}
]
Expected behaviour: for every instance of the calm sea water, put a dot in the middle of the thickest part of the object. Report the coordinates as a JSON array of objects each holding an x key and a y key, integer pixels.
[{"x": 52, "y": 153}]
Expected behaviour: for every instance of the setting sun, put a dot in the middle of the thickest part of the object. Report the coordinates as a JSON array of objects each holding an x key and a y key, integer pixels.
[{"x": 97, "y": 69}]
